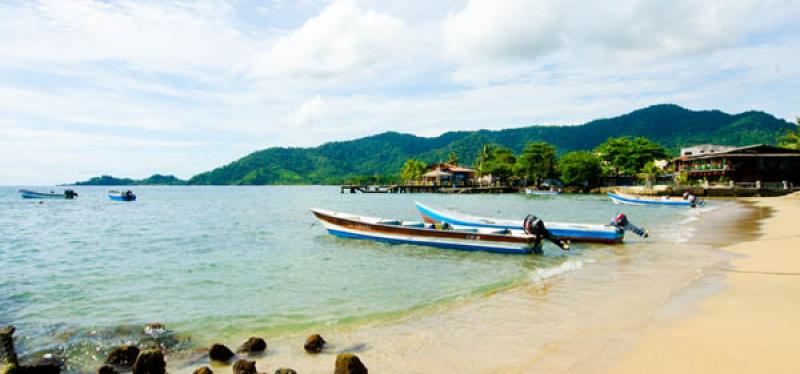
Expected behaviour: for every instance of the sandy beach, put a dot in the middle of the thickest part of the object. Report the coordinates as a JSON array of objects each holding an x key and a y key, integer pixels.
[{"x": 752, "y": 325}]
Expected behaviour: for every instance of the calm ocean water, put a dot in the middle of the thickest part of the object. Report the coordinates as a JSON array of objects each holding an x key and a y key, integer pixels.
[{"x": 218, "y": 263}]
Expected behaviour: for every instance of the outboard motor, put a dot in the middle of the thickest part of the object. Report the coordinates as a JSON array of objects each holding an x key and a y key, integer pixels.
[
  {"x": 693, "y": 200},
  {"x": 533, "y": 225},
  {"x": 621, "y": 221},
  {"x": 70, "y": 194}
]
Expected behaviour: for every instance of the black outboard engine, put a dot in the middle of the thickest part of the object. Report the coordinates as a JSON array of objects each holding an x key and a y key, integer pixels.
[
  {"x": 621, "y": 221},
  {"x": 70, "y": 194},
  {"x": 693, "y": 200},
  {"x": 533, "y": 225}
]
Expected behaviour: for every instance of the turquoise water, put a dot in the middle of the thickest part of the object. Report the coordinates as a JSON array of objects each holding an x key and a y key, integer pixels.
[{"x": 217, "y": 263}]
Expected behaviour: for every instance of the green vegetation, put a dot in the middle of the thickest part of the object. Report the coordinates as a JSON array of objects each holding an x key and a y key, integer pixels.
[
  {"x": 627, "y": 156},
  {"x": 155, "y": 179},
  {"x": 413, "y": 170},
  {"x": 499, "y": 163},
  {"x": 537, "y": 161},
  {"x": 580, "y": 168},
  {"x": 384, "y": 155},
  {"x": 791, "y": 139}
]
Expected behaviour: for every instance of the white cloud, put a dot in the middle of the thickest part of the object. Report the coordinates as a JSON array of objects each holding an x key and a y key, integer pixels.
[
  {"x": 343, "y": 38},
  {"x": 308, "y": 112}
]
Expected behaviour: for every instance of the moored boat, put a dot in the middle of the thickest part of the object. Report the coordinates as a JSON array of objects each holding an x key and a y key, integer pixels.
[
  {"x": 440, "y": 236},
  {"x": 621, "y": 198},
  {"x": 121, "y": 195},
  {"x": 579, "y": 232},
  {"x": 67, "y": 194},
  {"x": 541, "y": 192}
]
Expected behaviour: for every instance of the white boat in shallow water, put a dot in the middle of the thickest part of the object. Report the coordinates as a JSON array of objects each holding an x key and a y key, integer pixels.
[
  {"x": 541, "y": 192},
  {"x": 621, "y": 198},
  {"x": 440, "y": 236},
  {"x": 583, "y": 232}
]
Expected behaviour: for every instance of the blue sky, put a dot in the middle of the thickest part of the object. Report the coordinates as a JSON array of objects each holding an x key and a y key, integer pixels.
[{"x": 132, "y": 88}]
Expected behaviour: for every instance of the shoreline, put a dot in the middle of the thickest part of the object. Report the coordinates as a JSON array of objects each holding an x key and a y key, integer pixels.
[
  {"x": 750, "y": 325},
  {"x": 524, "y": 328}
]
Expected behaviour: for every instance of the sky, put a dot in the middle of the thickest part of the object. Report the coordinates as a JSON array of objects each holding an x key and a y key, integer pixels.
[{"x": 133, "y": 88}]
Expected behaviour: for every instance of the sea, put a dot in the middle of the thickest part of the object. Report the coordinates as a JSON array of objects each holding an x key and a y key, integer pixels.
[{"x": 223, "y": 263}]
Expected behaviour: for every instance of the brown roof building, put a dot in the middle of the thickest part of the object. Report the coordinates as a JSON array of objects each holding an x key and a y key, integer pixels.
[{"x": 760, "y": 162}]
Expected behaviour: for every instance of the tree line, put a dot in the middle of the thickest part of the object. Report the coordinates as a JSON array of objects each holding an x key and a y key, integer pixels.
[{"x": 623, "y": 156}]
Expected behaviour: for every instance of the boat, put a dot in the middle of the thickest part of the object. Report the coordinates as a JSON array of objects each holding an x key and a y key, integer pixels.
[
  {"x": 541, "y": 192},
  {"x": 67, "y": 194},
  {"x": 579, "y": 232},
  {"x": 121, "y": 195},
  {"x": 687, "y": 200},
  {"x": 440, "y": 236}
]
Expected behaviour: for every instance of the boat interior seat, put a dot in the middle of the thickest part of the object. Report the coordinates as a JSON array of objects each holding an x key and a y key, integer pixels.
[
  {"x": 414, "y": 224},
  {"x": 389, "y": 222}
]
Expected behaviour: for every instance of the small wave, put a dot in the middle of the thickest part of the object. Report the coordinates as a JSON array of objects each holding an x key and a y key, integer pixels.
[{"x": 541, "y": 274}]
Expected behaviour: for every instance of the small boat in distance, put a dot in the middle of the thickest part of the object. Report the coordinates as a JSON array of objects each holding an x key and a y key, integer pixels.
[
  {"x": 67, "y": 194},
  {"x": 541, "y": 192},
  {"x": 580, "y": 232},
  {"x": 686, "y": 200},
  {"x": 441, "y": 236},
  {"x": 121, "y": 195}
]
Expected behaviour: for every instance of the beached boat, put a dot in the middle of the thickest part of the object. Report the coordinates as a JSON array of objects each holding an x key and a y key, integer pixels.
[
  {"x": 440, "y": 236},
  {"x": 541, "y": 192},
  {"x": 579, "y": 232},
  {"x": 121, "y": 195},
  {"x": 67, "y": 194},
  {"x": 621, "y": 198}
]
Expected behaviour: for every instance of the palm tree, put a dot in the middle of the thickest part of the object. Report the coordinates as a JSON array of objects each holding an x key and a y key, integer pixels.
[{"x": 452, "y": 159}]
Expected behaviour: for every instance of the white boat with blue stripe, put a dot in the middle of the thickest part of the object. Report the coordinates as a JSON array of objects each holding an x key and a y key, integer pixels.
[
  {"x": 621, "y": 198},
  {"x": 579, "y": 232},
  {"x": 440, "y": 236}
]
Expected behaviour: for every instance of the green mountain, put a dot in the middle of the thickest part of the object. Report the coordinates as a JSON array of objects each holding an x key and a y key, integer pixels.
[
  {"x": 155, "y": 179},
  {"x": 670, "y": 125}
]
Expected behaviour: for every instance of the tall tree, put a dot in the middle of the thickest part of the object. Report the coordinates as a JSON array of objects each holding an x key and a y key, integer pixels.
[
  {"x": 580, "y": 168},
  {"x": 791, "y": 139},
  {"x": 627, "y": 156},
  {"x": 452, "y": 158},
  {"x": 500, "y": 163},
  {"x": 413, "y": 170},
  {"x": 537, "y": 161},
  {"x": 483, "y": 156}
]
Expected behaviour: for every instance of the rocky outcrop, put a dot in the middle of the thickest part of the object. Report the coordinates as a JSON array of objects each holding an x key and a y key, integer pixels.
[
  {"x": 203, "y": 370},
  {"x": 124, "y": 355},
  {"x": 150, "y": 361},
  {"x": 8, "y": 356},
  {"x": 219, "y": 352},
  {"x": 314, "y": 343},
  {"x": 348, "y": 363},
  {"x": 285, "y": 371},
  {"x": 253, "y": 345},
  {"x": 244, "y": 367},
  {"x": 106, "y": 369}
]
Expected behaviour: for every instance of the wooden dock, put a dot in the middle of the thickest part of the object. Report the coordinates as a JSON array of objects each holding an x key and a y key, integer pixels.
[{"x": 399, "y": 188}]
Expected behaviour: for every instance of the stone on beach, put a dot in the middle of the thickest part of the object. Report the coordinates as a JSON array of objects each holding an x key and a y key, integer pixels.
[
  {"x": 253, "y": 345},
  {"x": 219, "y": 352},
  {"x": 314, "y": 343},
  {"x": 106, "y": 369},
  {"x": 285, "y": 371},
  {"x": 244, "y": 367},
  {"x": 154, "y": 328},
  {"x": 8, "y": 356},
  {"x": 203, "y": 370},
  {"x": 124, "y": 355},
  {"x": 348, "y": 363},
  {"x": 150, "y": 361}
]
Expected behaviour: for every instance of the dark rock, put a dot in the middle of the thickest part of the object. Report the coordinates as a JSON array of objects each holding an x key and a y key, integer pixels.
[
  {"x": 203, "y": 370},
  {"x": 285, "y": 371},
  {"x": 8, "y": 356},
  {"x": 106, "y": 369},
  {"x": 49, "y": 359},
  {"x": 348, "y": 363},
  {"x": 150, "y": 361},
  {"x": 244, "y": 367},
  {"x": 124, "y": 355},
  {"x": 314, "y": 343},
  {"x": 219, "y": 352},
  {"x": 40, "y": 369},
  {"x": 253, "y": 345}
]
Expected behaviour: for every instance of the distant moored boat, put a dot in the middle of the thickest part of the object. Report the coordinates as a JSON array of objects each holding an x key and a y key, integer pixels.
[
  {"x": 621, "y": 198},
  {"x": 121, "y": 195},
  {"x": 541, "y": 192},
  {"x": 67, "y": 194}
]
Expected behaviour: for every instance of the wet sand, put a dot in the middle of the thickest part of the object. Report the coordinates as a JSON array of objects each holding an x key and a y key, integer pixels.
[
  {"x": 583, "y": 321},
  {"x": 752, "y": 325}
]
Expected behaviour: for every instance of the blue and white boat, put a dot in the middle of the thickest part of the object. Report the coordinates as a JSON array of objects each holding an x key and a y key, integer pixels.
[
  {"x": 621, "y": 198},
  {"x": 440, "y": 236},
  {"x": 121, "y": 195},
  {"x": 67, "y": 194},
  {"x": 542, "y": 192},
  {"x": 579, "y": 232}
]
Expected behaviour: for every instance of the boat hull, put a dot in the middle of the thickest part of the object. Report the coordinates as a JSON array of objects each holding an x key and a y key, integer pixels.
[
  {"x": 572, "y": 231},
  {"x": 354, "y": 228},
  {"x": 634, "y": 200},
  {"x": 543, "y": 193},
  {"x": 27, "y": 194}
]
